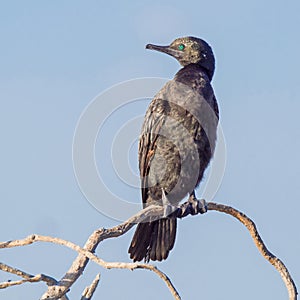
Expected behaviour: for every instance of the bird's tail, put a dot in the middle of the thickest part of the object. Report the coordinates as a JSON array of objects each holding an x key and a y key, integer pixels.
[{"x": 153, "y": 240}]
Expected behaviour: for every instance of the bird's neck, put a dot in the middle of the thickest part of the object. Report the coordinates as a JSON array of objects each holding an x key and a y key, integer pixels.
[{"x": 193, "y": 70}]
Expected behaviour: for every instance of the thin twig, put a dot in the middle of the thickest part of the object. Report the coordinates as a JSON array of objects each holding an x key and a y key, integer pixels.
[
  {"x": 27, "y": 277},
  {"x": 89, "y": 291},
  {"x": 275, "y": 261}
]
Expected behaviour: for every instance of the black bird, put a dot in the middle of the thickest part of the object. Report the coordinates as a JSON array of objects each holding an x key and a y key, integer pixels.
[{"x": 176, "y": 143}]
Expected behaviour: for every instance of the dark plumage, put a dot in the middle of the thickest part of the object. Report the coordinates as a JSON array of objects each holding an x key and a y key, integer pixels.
[{"x": 176, "y": 143}]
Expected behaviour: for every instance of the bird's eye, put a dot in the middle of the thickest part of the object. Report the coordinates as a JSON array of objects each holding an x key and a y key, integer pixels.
[{"x": 181, "y": 47}]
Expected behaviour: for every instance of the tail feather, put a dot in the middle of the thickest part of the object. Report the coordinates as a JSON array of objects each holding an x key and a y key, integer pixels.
[
  {"x": 172, "y": 234},
  {"x": 140, "y": 241},
  {"x": 164, "y": 241},
  {"x": 153, "y": 240},
  {"x": 168, "y": 237}
]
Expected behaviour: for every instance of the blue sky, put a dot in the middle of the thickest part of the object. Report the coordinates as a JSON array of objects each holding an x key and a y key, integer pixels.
[{"x": 56, "y": 56}]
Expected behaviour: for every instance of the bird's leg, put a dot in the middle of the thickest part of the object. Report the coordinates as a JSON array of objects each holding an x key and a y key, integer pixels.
[
  {"x": 168, "y": 207},
  {"x": 198, "y": 206},
  {"x": 193, "y": 203}
]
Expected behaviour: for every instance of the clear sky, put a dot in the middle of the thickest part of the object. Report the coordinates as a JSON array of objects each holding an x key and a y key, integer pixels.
[{"x": 56, "y": 56}]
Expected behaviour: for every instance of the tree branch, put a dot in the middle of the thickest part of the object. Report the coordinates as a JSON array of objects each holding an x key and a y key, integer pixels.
[
  {"x": 89, "y": 291},
  {"x": 58, "y": 290},
  {"x": 96, "y": 237},
  {"x": 274, "y": 261},
  {"x": 27, "y": 278},
  {"x": 83, "y": 252}
]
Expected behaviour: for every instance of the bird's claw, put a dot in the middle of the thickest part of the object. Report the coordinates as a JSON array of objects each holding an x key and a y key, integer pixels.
[
  {"x": 197, "y": 206},
  {"x": 192, "y": 207}
]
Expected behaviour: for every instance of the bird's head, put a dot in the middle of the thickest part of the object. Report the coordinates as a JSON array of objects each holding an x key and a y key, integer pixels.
[{"x": 189, "y": 50}]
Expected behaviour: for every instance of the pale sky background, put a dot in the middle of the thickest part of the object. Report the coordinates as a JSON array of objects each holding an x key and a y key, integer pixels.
[{"x": 56, "y": 56}]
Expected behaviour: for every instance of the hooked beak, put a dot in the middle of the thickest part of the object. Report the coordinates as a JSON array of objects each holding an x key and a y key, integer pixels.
[{"x": 165, "y": 49}]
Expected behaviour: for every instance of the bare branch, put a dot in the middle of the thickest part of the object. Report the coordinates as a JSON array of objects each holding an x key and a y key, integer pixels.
[
  {"x": 132, "y": 266},
  {"x": 27, "y": 277},
  {"x": 89, "y": 291},
  {"x": 58, "y": 290},
  {"x": 96, "y": 237},
  {"x": 250, "y": 225},
  {"x": 108, "y": 265}
]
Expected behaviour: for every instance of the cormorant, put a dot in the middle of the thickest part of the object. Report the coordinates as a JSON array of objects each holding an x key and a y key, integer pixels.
[{"x": 176, "y": 143}]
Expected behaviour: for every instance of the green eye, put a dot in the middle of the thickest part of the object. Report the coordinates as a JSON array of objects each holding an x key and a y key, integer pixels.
[{"x": 181, "y": 47}]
